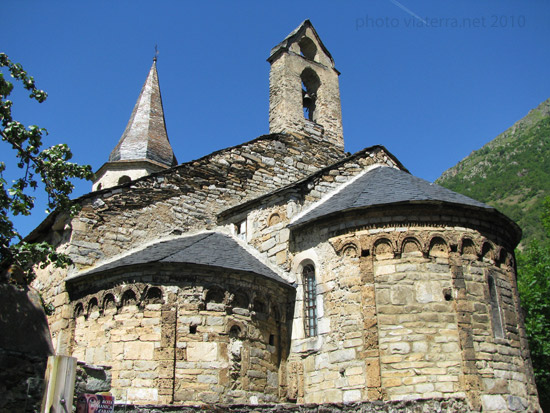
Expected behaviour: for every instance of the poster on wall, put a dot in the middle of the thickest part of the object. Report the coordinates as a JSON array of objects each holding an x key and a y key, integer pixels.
[{"x": 95, "y": 403}]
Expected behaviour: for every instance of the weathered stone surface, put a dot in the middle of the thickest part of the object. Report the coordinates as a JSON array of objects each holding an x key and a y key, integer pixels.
[
  {"x": 138, "y": 351},
  {"x": 202, "y": 351},
  {"x": 92, "y": 379}
]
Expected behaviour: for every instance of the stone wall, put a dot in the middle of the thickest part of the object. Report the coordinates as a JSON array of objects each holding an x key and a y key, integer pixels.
[
  {"x": 187, "y": 197},
  {"x": 92, "y": 379},
  {"x": 331, "y": 366},
  {"x": 21, "y": 381},
  {"x": 420, "y": 293},
  {"x": 185, "y": 335},
  {"x": 182, "y": 199}
]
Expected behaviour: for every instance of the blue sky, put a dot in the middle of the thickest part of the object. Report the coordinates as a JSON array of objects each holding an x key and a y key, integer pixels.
[{"x": 430, "y": 80}]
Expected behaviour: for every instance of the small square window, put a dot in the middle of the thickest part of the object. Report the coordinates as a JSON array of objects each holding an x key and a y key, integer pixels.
[{"x": 240, "y": 228}]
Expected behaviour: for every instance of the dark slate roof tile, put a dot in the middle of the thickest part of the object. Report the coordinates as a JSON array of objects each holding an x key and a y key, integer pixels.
[
  {"x": 209, "y": 249},
  {"x": 385, "y": 185}
]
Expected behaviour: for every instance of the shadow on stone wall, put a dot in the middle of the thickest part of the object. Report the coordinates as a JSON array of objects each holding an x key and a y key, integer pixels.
[{"x": 25, "y": 345}]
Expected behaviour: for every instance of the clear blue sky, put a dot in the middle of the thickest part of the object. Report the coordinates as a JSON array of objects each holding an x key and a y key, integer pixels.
[{"x": 430, "y": 80}]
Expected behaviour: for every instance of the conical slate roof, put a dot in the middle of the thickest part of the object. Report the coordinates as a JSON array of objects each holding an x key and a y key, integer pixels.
[
  {"x": 382, "y": 186},
  {"x": 145, "y": 136}
]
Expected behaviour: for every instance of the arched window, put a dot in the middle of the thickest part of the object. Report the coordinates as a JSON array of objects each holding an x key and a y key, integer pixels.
[
  {"x": 109, "y": 302},
  {"x": 129, "y": 298},
  {"x": 487, "y": 251},
  {"x": 78, "y": 310},
  {"x": 215, "y": 298},
  {"x": 153, "y": 296},
  {"x": 468, "y": 247},
  {"x": 310, "y": 301},
  {"x": 93, "y": 306},
  {"x": 124, "y": 179},
  {"x": 495, "y": 309}
]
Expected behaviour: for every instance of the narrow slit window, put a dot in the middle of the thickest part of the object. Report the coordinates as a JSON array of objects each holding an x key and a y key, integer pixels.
[
  {"x": 310, "y": 301},
  {"x": 496, "y": 318}
]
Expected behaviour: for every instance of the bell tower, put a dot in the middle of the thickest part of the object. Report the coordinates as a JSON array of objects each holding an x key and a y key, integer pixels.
[{"x": 304, "y": 95}]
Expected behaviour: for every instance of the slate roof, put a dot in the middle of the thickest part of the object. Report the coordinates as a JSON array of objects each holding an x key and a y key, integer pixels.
[
  {"x": 209, "y": 249},
  {"x": 381, "y": 186},
  {"x": 145, "y": 135}
]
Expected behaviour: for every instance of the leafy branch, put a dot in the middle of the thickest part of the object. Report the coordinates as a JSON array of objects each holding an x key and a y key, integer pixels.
[{"x": 50, "y": 167}]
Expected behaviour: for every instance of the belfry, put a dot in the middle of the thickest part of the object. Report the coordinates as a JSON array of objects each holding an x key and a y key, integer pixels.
[{"x": 304, "y": 95}]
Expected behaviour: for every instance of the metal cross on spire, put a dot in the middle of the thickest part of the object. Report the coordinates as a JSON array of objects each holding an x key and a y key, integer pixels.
[{"x": 156, "y": 54}]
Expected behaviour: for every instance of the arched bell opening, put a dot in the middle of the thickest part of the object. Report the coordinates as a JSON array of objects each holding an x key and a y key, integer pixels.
[{"x": 310, "y": 86}]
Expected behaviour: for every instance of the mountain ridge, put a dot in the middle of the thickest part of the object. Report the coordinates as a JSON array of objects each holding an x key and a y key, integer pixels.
[{"x": 511, "y": 172}]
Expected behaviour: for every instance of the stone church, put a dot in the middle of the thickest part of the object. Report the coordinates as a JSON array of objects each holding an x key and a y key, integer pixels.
[{"x": 284, "y": 270}]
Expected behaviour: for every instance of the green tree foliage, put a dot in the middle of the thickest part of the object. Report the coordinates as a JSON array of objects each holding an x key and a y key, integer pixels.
[
  {"x": 511, "y": 173},
  {"x": 38, "y": 166},
  {"x": 534, "y": 290}
]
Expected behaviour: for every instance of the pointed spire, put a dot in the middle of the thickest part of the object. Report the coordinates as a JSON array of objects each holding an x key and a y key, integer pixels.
[{"x": 145, "y": 137}]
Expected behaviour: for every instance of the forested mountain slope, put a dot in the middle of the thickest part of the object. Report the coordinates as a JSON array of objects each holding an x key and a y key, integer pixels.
[{"x": 511, "y": 172}]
